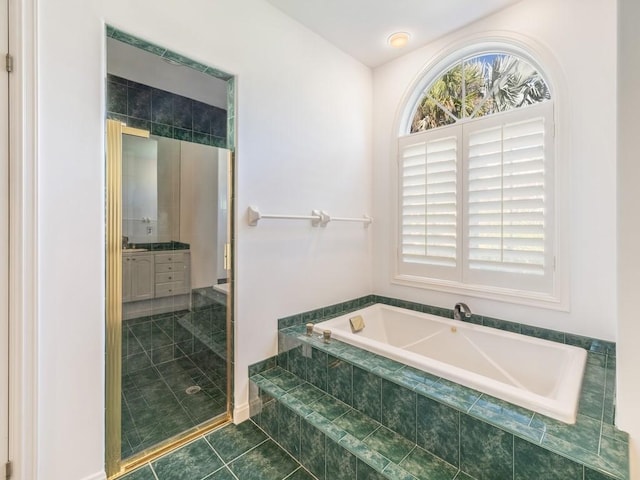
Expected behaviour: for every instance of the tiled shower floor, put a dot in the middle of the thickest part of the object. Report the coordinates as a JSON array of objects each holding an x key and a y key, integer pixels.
[
  {"x": 160, "y": 361},
  {"x": 234, "y": 452}
]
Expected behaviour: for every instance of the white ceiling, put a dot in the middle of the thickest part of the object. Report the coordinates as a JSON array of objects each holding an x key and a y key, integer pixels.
[{"x": 361, "y": 27}]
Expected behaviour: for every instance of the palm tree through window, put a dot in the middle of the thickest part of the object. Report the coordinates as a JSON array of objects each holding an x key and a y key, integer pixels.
[{"x": 478, "y": 86}]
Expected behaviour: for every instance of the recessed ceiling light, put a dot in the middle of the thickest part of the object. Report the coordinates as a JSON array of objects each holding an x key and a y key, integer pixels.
[{"x": 398, "y": 39}]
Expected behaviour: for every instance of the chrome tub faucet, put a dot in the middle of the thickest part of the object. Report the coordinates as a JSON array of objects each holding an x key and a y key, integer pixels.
[{"x": 461, "y": 311}]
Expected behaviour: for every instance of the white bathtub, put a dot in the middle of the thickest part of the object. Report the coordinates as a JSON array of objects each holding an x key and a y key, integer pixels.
[{"x": 540, "y": 375}]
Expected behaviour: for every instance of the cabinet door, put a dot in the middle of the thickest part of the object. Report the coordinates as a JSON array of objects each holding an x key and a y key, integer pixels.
[
  {"x": 126, "y": 278},
  {"x": 142, "y": 277}
]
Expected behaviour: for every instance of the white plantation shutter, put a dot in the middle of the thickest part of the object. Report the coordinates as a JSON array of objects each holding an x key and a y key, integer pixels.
[
  {"x": 507, "y": 206},
  {"x": 476, "y": 202},
  {"x": 429, "y": 207}
]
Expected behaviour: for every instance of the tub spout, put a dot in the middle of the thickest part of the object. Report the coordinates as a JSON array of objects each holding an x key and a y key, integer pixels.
[{"x": 461, "y": 311}]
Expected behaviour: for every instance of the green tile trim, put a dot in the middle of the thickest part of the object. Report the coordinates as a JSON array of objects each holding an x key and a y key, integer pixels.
[{"x": 579, "y": 442}]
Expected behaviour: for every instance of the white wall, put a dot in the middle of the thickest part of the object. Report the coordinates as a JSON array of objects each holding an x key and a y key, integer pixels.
[
  {"x": 577, "y": 41},
  {"x": 199, "y": 210},
  {"x": 628, "y": 394},
  {"x": 304, "y": 133}
]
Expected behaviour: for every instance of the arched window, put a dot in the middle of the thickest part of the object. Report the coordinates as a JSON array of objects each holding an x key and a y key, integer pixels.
[{"x": 476, "y": 203}]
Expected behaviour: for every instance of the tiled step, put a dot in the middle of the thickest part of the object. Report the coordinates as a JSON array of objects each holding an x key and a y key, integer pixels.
[
  {"x": 456, "y": 423},
  {"x": 213, "y": 340},
  {"x": 335, "y": 441}
]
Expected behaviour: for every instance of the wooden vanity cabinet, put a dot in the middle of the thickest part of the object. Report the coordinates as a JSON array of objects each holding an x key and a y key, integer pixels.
[
  {"x": 155, "y": 282},
  {"x": 138, "y": 276}
]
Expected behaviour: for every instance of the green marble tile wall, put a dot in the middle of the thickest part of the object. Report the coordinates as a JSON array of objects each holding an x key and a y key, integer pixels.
[{"x": 166, "y": 114}]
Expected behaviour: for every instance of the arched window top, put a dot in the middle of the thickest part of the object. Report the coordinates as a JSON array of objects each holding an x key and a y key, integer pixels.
[{"x": 476, "y": 86}]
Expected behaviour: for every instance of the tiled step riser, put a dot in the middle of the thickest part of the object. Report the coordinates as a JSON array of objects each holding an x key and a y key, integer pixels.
[
  {"x": 450, "y": 434},
  {"x": 317, "y": 452}
]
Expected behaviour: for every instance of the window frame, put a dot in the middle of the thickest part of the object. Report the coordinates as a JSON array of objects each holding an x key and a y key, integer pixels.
[{"x": 555, "y": 299}]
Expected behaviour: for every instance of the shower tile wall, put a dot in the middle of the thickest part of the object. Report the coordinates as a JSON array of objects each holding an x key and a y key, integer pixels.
[
  {"x": 162, "y": 356},
  {"x": 165, "y": 114}
]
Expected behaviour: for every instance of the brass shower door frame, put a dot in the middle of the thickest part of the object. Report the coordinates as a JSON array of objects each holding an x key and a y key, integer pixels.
[{"x": 115, "y": 465}]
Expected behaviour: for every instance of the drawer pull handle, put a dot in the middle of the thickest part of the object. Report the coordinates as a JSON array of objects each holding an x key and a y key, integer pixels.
[
  {"x": 169, "y": 268},
  {"x": 170, "y": 278},
  {"x": 169, "y": 259}
]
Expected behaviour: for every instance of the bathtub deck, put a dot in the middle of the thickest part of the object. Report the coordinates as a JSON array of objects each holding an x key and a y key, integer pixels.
[{"x": 592, "y": 444}]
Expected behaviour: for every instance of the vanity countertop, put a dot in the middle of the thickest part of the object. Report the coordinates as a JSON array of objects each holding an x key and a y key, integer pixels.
[{"x": 156, "y": 247}]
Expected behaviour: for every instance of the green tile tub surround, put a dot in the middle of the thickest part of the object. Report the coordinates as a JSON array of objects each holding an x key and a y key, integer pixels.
[
  {"x": 486, "y": 452},
  {"x": 324, "y": 313},
  {"x": 592, "y": 441}
]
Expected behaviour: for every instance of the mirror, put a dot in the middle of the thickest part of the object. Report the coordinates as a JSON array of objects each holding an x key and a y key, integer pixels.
[{"x": 169, "y": 279}]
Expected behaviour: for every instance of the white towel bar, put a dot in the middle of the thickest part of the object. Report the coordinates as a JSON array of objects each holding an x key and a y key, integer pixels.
[{"x": 317, "y": 217}]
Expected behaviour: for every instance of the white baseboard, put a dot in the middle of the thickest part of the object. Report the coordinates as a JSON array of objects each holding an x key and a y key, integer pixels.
[
  {"x": 97, "y": 476},
  {"x": 241, "y": 413}
]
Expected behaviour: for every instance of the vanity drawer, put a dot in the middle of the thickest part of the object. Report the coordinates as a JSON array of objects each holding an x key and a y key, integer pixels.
[
  {"x": 173, "y": 276},
  {"x": 169, "y": 267},
  {"x": 170, "y": 257},
  {"x": 170, "y": 288}
]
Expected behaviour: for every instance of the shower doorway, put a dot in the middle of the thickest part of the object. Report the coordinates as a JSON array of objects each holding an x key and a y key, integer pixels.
[{"x": 169, "y": 192}]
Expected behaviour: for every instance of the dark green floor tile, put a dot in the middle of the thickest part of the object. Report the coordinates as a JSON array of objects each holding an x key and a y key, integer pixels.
[
  {"x": 399, "y": 409},
  {"x": 137, "y": 361},
  {"x": 341, "y": 465},
  {"x": 144, "y": 473},
  {"x": 485, "y": 451},
  {"x": 234, "y": 440},
  {"x": 438, "y": 428},
  {"x": 356, "y": 423},
  {"x": 145, "y": 377},
  {"x": 222, "y": 474},
  {"x": 463, "y": 476},
  {"x": 390, "y": 444},
  {"x": 312, "y": 449},
  {"x": 367, "y": 393},
  {"x": 365, "y": 472},
  {"x": 301, "y": 474},
  {"x": 194, "y": 461},
  {"x": 329, "y": 407},
  {"x": 533, "y": 462},
  {"x": 265, "y": 462},
  {"x": 425, "y": 466}
]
